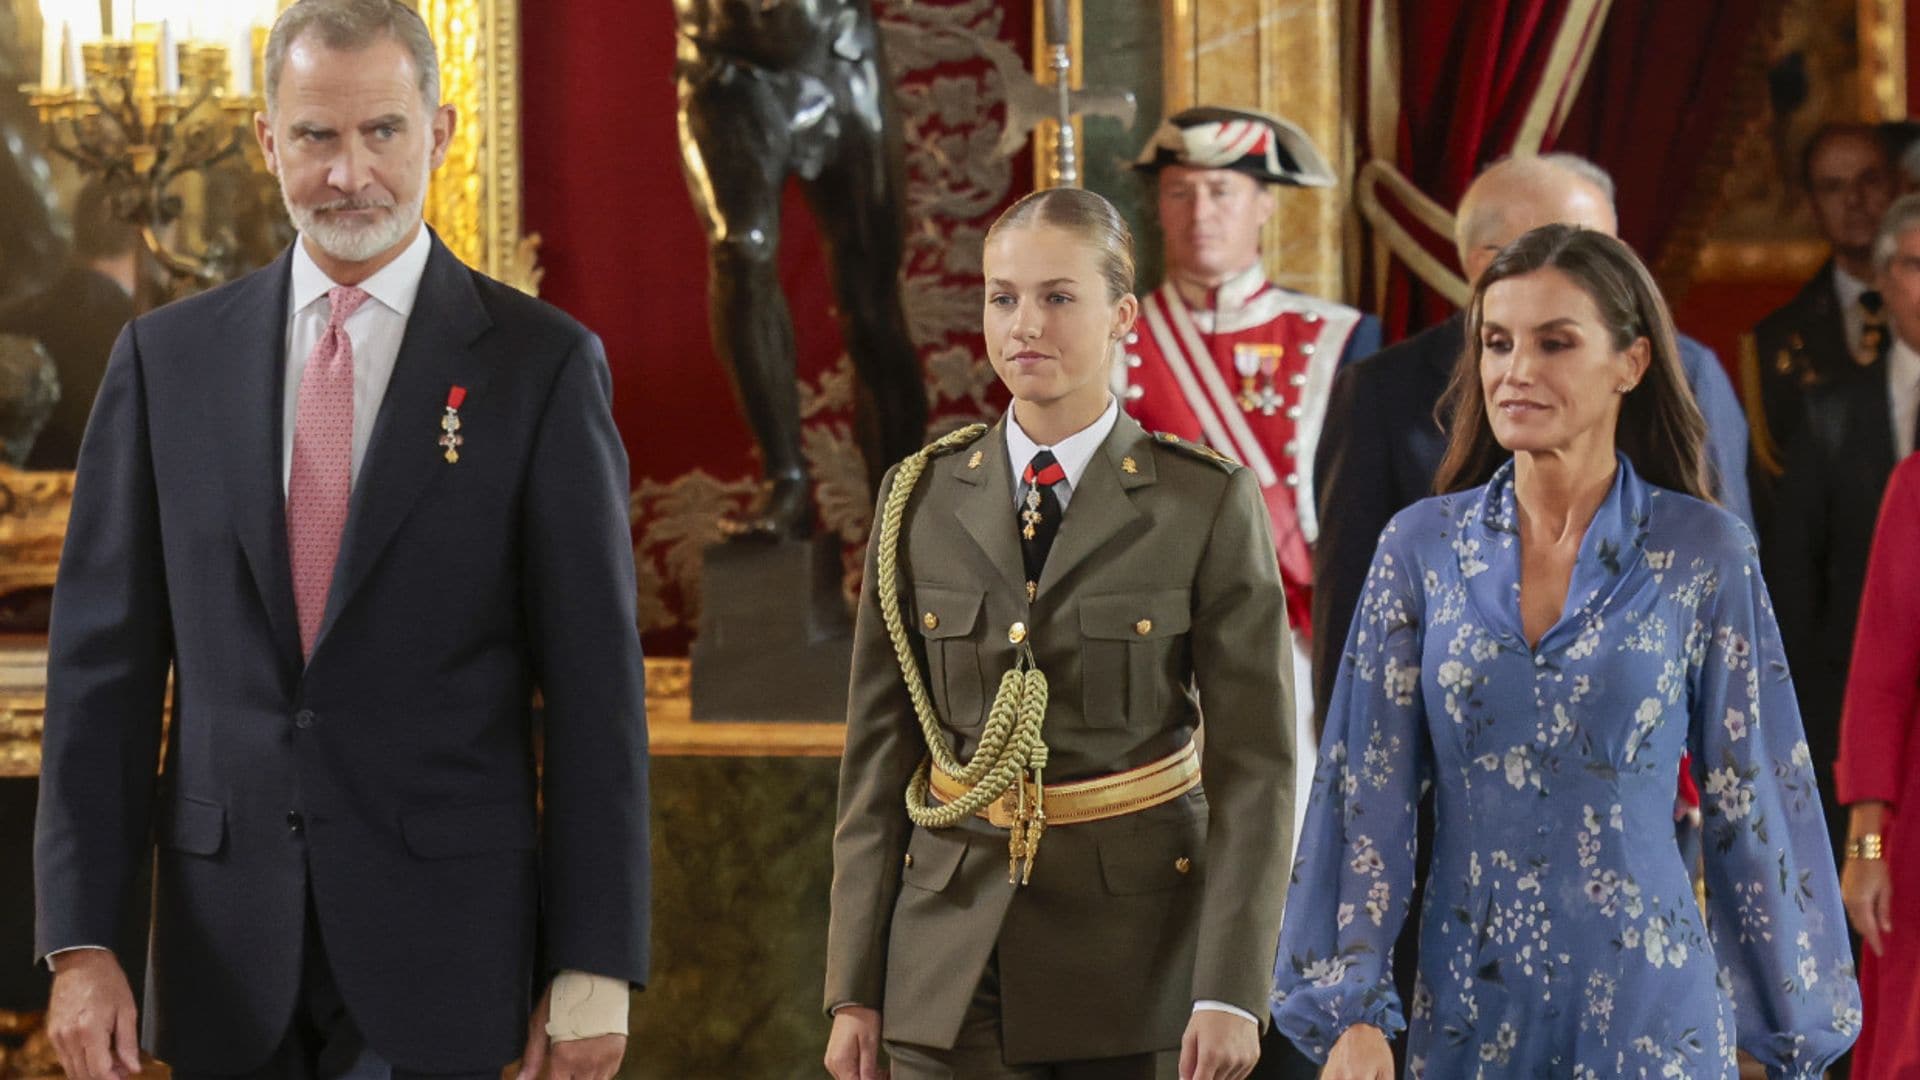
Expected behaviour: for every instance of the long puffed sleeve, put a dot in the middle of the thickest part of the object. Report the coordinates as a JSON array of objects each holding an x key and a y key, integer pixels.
[
  {"x": 1773, "y": 900},
  {"x": 1354, "y": 874}
]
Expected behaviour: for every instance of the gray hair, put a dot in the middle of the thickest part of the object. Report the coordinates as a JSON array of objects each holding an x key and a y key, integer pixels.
[
  {"x": 1902, "y": 217},
  {"x": 1585, "y": 170},
  {"x": 350, "y": 25},
  {"x": 1477, "y": 216}
]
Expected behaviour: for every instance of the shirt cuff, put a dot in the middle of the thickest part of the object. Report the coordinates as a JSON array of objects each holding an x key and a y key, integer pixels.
[
  {"x": 1207, "y": 1005},
  {"x": 586, "y": 1006},
  {"x": 71, "y": 948}
]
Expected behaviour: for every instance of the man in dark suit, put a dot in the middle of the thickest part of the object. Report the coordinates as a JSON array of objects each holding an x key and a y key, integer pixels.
[
  {"x": 1382, "y": 442},
  {"x": 362, "y": 504},
  {"x": 76, "y": 318},
  {"x": 1853, "y": 431},
  {"x": 1834, "y": 325}
]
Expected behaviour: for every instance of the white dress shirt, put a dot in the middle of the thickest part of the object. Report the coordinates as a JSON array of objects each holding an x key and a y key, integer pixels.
[
  {"x": 1903, "y": 393},
  {"x": 1075, "y": 453},
  {"x": 375, "y": 331},
  {"x": 1847, "y": 289}
]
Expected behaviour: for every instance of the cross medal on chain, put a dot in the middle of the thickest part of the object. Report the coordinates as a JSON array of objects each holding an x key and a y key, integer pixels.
[{"x": 1030, "y": 517}]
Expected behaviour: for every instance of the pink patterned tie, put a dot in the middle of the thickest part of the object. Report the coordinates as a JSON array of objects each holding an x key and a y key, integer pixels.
[{"x": 322, "y": 474}]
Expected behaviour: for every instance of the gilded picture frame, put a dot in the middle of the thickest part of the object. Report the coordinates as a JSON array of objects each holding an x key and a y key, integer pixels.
[{"x": 474, "y": 203}]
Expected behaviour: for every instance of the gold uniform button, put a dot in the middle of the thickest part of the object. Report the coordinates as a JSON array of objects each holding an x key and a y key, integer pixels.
[
  {"x": 909, "y": 861},
  {"x": 1143, "y": 627},
  {"x": 930, "y": 621},
  {"x": 1017, "y": 633},
  {"x": 1183, "y": 865}
]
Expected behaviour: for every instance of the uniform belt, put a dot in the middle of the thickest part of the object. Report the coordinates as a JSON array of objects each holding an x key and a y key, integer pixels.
[{"x": 1080, "y": 801}]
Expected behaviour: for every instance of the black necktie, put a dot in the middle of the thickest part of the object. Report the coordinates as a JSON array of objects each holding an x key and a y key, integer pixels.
[
  {"x": 1873, "y": 330},
  {"x": 1040, "y": 513}
]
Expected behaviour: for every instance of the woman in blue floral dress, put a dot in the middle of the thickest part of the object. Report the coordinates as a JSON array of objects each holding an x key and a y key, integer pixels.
[{"x": 1542, "y": 649}]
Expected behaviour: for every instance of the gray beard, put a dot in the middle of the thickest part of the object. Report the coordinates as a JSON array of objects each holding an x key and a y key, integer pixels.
[{"x": 358, "y": 243}]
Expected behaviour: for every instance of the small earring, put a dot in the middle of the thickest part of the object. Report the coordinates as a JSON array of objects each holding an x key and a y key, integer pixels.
[{"x": 1623, "y": 388}]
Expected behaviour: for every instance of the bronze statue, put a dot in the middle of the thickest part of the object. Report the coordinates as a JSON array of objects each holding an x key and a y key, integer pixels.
[{"x": 778, "y": 88}]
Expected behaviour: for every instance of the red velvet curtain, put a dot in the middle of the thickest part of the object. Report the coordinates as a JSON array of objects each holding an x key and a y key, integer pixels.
[
  {"x": 1667, "y": 85},
  {"x": 1468, "y": 69}
]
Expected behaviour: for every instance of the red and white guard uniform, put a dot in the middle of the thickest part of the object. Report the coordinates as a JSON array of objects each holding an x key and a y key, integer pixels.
[{"x": 1248, "y": 376}]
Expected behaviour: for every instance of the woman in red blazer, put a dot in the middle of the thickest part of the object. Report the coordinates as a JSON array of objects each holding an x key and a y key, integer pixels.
[{"x": 1877, "y": 776}]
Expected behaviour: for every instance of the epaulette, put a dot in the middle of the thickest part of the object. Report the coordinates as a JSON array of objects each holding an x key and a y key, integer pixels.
[
  {"x": 1193, "y": 449},
  {"x": 954, "y": 440}
]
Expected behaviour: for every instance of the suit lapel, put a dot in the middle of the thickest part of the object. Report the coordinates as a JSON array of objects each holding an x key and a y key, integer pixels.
[
  {"x": 1825, "y": 321},
  {"x": 403, "y": 458},
  {"x": 246, "y": 404},
  {"x": 986, "y": 512},
  {"x": 1100, "y": 509}
]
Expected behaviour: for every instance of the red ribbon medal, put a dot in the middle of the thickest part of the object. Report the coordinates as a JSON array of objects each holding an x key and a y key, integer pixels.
[{"x": 450, "y": 423}]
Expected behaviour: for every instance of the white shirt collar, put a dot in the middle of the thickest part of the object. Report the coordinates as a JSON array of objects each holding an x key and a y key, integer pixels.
[
  {"x": 1847, "y": 288},
  {"x": 1073, "y": 453},
  {"x": 396, "y": 285},
  {"x": 1903, "y": 367},
  {"x": 1234, "y": 292}
]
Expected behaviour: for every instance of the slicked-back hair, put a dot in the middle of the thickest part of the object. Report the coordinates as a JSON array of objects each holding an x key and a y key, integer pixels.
[
  {"x": 1086, "y": 215},
  {"x": 348, "y": 25},
  {"x": 1660, "y": 428}
]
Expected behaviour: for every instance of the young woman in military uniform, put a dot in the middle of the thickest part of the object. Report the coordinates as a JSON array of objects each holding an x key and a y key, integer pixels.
[{"x": 1030, "y": 877}]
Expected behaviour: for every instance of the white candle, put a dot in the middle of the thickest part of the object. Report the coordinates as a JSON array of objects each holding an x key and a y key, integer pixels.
[
  {"x": 50, "y": 48},
  {"x": 240, "y": 59},
  {"x": 169, "y": 59},
  {"x": 122, "y": 12},
  {"x": 76, "y": 70}
]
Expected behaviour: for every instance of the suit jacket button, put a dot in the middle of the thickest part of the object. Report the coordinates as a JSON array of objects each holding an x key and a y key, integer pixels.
[
  {"x": 303, "y": 719},
  {"x": 1183, "y": 864},
  {"x": 1017, "y": 633},
  {"x": 295, "y": 823},
  {"x": 930, "y": 621}
]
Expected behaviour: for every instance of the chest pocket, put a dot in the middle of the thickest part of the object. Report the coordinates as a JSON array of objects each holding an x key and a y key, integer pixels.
[
  {"x": 1132, "y": 655},
  {"x": 946, "y": 618}
]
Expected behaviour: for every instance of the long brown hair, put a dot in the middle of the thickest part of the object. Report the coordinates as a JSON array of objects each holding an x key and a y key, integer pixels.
[{"x": 1660, "y": 429}]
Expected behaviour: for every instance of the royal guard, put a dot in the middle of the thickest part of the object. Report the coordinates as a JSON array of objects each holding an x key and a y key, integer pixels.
[{"x": 1224, "y": 357}]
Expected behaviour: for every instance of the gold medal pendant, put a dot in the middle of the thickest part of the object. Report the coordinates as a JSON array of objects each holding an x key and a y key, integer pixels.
[
  {"x": 1030, "y": 517},
  {"x": 451, "y": 439}
]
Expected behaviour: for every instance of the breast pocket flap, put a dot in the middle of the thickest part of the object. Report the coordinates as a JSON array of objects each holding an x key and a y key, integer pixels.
[
  {"x": 946, "y": 612},
  {"x": 1137, "y": 616}
]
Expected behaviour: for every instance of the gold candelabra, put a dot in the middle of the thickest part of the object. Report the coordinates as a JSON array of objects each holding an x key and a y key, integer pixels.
[{"x": 127, "y": 126}]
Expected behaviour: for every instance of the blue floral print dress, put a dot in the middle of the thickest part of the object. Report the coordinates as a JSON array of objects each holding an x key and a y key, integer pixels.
[{"x": 1561, "y": 936}]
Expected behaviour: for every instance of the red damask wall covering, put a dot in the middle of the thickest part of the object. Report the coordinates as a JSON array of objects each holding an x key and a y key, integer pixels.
[{"x": 623, "y": 252}]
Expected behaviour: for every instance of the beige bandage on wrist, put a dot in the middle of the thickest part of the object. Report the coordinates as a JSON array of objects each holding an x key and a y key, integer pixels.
[{"x": 585, "y": 1006}]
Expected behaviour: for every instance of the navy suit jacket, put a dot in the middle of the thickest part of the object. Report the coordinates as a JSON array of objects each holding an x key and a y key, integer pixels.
[
  {"x": 391, "y": 781},
  {"x": 1382, "y": 444}
]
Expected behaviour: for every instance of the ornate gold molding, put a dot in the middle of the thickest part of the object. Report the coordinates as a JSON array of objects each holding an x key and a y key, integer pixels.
[
  {"x": 475, "y": 199},
  {"x": 33, "y": 524},
  {"x": 1883, "y": 59},
  {"x": 23, "y": 706}
]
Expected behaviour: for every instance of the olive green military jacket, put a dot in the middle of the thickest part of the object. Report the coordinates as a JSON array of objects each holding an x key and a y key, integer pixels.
[{"x": 1161, "y": 592}]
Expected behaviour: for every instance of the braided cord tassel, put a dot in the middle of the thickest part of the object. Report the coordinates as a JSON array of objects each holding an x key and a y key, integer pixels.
[{"x": 1011, "y": 743}]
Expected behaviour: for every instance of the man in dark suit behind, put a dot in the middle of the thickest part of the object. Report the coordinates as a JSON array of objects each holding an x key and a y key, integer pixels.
[
  {"x": 76, "y": 318},
  {"x": 1852, "y": 432},
  {"x": 362, "y": 504},
  {"x": 1382, "y": 442},
  {"x": 1834, "y": 326}
]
